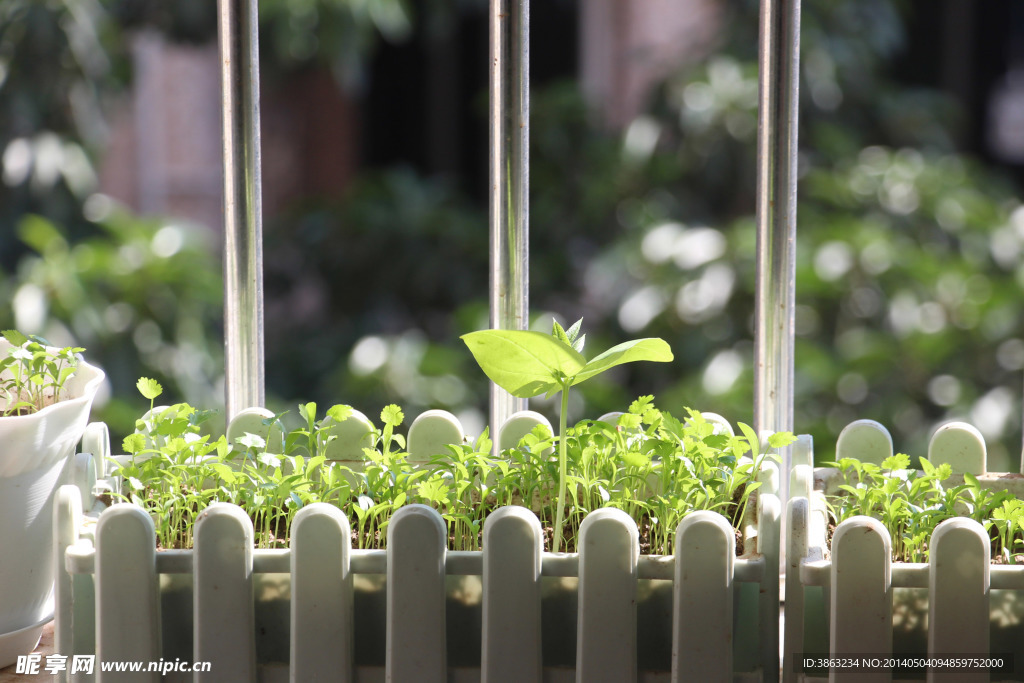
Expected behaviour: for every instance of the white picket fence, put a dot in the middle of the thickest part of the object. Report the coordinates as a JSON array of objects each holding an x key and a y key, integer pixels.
[
  {"x": 855, "y": 600},
  {"x": 718, "y": 623}
]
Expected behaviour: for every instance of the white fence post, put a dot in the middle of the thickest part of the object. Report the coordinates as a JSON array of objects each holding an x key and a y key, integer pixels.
[
  {"x": 126, "y": 575},
  {"x": 796, "y": 551},
  {"x": 67, "y": 519},
  {"x": 517, "y": 426},
  {"x": 702, "y": 606},
  {"x": 861, "y": 619},
  {"x": 223, "y": 599},
  {"x": 416, "y": 639},
  {"x": 769, "y": 515},
  {"x": 961, "y": 445},
  {"x": 866, "y": 440},
  {"x": 351, "y": 436},
  {"x": 321, "y": 604},
  {"x": 958, "y": 596},
  {"x": 252, "y": 421},
  {"x": 511, "y": 648},
  {"x": 431, "y": 432},
  {"x": 96, "y": 440},
  {"x": 606, "y": 629}
]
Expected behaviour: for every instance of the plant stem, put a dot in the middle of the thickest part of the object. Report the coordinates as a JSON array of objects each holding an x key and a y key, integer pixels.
[{"x": 560, "y": 510}]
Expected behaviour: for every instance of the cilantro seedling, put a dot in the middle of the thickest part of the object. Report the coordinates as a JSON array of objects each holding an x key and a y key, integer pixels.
[{"x": 650, "y": 464}]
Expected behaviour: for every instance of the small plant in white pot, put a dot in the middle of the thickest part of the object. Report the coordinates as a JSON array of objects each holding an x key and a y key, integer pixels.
[{"x": 46, "y": 394}]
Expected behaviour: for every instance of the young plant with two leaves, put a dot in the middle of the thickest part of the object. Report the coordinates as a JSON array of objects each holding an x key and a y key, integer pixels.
[{"x": 527, "y": 364}]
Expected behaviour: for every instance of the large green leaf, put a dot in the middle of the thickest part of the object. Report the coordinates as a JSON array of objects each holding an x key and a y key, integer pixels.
[
  {"x": 652, "y": 349},
  {"x": 523, "y": 363}
]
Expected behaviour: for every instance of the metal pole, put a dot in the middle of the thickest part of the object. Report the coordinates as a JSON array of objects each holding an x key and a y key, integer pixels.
[
  {"x": 509, "y": 175},
  {"x": 243, "y": 223},
  {"x": 776, "y": 220}
]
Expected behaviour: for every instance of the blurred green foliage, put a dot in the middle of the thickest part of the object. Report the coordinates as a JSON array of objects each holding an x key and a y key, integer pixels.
[
  {"x": 339, "y": 34},
  {"x": 56, "y": 63},
  {"x": 364, "y": 308},
  {"x": 143, "y": 297},
  {"x": 910, "y": 254}
]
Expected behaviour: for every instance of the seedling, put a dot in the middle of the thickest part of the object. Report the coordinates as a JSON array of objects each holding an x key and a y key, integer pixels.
[
  {"x": 32, "y": 376},
  {"x": 528, "y": 364},
  {"x": 912, "y": 503},
  {"x": 650, "y": 464}
]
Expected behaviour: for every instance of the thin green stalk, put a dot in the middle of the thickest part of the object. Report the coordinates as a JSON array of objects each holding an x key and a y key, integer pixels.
[{"x": 562, "y": 450}]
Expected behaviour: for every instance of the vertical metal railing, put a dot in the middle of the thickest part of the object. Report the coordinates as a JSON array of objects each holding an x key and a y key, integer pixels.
[
  {"x": 509, "y": 176},
  {"x": 243, "y": 224},
  {"x": 509, "y": 202},
  {"x": 779, "y": 64}
]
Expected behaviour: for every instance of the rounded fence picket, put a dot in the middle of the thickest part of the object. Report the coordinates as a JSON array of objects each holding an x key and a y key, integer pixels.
[
  {"x": 703, "y": 598},
  {"x": 321, "y": 595},
  {"x": 769, "y": 513},
  {"x": 223, "y": 595},
  {"x": 958, "y": 596},
  {"x": 519, "y": 425},
  {"x": 96, "y": 441},
  {"x": 431, "y": 433},
  {"x": 417, "y": 548},
  {"x": 606, "y": 630},
  {"x": 861, "y": 613},
  {"x": 511, "y": 648},
  {"x": 961, "y": 445},
  {"x": 67, "y": 520},
  {"x": 796, "y": 552},
  {"x": 126, "y": 573},
  {"x": 257, "y": 421},
  {"x": 866, "y": 440},
  {"x": 351, "y": 436}
]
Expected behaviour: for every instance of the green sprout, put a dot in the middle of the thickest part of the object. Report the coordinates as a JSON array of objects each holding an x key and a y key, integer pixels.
[
  {"x": 33, "y": 375},
  {"x": 528, "y": 364}
]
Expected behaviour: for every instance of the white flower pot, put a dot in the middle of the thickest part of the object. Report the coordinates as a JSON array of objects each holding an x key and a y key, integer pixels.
[{"x": 34, "y": 451}]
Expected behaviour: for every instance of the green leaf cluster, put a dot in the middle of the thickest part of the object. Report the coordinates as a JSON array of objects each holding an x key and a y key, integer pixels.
[
  {"x": 911, "y": 503},
  {"x": 650, "y": 464},
  {"x": 33, "y": 375}
]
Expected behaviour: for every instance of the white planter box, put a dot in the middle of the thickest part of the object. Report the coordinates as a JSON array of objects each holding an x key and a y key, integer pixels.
[
  {"x": 417, "y": 612},
  {"x": 852, "y": 599}
]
